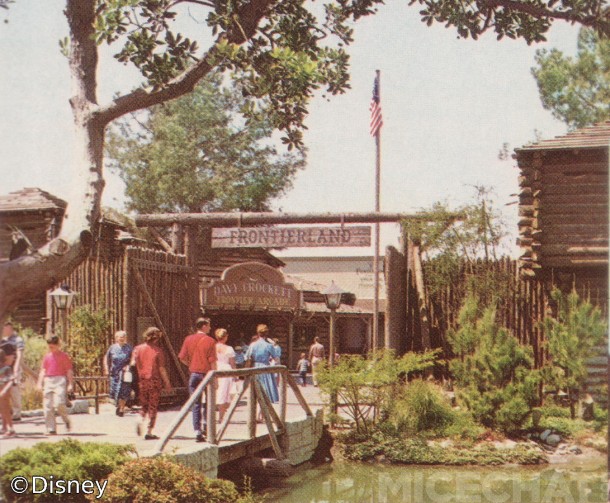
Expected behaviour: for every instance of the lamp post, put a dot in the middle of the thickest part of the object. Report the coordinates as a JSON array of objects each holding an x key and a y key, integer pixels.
[
  {"x": 62, "y": 298},
  {"x": 332, "y": 298}
]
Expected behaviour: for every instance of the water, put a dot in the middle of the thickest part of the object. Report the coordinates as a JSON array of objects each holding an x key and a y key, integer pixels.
[{"x": 343, "y": 482}]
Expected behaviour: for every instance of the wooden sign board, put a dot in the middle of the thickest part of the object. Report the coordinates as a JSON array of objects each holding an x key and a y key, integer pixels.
[
  {"x": 291, "y": 237},
  {"x": 251, "y": 285}
]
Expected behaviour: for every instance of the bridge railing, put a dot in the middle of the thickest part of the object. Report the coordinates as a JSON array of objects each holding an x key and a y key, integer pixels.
[{"x": 256, "y": 395}]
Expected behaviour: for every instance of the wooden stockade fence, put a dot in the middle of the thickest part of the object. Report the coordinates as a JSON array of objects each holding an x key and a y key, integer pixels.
[
  {"x": 521, "y": 307},
  {"x": 139, "y": 288}
]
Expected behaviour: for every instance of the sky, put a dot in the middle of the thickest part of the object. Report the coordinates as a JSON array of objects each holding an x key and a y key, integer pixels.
[{"x": 448, "y": 106}]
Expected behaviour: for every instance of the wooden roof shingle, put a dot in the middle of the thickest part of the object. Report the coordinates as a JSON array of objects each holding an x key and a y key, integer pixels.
[{"x": 30, "y": 199}]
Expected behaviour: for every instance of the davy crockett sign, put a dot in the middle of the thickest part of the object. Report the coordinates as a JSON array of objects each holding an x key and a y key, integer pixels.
[
  {"x": 278, "y": 237},
  {"x": 251, "y": 285}
]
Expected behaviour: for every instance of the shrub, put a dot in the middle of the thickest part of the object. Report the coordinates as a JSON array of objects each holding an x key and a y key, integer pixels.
[
  {"x": 571, "y": 339},
  {"x": 159, "y": 480},
  {"x": 420, "y": 407},
  {"x": 31, "y": 396},
  {"x": 88, "y": 341},
  {"x": 35, "y": 348},
  {"x": 362, "y": 382},
  {"x": 64, "y": 460},
  {"x": 493, "y": 372}
]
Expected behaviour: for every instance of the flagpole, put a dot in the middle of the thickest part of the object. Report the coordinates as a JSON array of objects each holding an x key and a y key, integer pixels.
[{"x": 377, "y": 210}]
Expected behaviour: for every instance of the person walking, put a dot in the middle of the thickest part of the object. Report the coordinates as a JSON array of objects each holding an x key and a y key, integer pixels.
[
  {"x": 55, "y": 379},
  {"x": 198, "y": 352},
  {"x": 316, "y": 355},
  {"x": 116, "y": 366},
  {"x": 9, "y": 335},
  {"x": 6, "y": 382},
  {"x": 149, "y": 360},
  {"x": 262, "y": 352},
  {"x": 226, "y": 361},
  {"x": 302, "y": 368}
]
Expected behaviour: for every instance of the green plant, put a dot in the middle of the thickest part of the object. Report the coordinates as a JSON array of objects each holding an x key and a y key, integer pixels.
[
  {"x": 64, "y": 460},
  {"x": 88, "y": 340},
  {"x": 160, "y": 480},
  {"x": 367, "y": 385},
  {"x": 31, "y": 396},
  {"x": 420, "y": 407},
  {"x": 571, "y": 338},
  {"x": 494, "y": 373},
  {"x": 35, "y": 348}
]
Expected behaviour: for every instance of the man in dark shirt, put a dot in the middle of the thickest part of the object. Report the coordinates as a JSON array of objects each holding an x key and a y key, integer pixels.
[{"x": 199, "y": 354}]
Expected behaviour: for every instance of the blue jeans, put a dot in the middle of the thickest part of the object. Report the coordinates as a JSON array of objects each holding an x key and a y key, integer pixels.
[{"x": 194, "y": 381}]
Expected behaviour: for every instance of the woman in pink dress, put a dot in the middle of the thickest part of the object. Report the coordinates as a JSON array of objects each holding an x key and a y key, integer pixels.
[{"x": 226, "y": 361}]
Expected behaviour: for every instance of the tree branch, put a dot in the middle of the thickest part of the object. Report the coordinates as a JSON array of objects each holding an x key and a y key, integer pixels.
[
  {"x": 541, "y": 12},
  {"x": 245, "y": 26}
]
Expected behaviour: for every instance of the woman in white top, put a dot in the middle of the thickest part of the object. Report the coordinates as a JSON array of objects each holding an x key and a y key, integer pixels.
[{"x": 226, "y": 361}]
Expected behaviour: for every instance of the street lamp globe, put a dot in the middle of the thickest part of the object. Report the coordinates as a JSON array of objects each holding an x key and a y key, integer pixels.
[
  {"x": 332, "y": 296},
  {"x": 62, "y": 297}
]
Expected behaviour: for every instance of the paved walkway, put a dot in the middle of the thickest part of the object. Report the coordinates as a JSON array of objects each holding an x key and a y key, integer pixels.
[{"x": 108, "y": 427}]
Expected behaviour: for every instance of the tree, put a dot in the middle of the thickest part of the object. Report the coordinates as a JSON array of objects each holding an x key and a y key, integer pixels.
[
  {"x": 576, "y": 91},
  {"x": 494, "y": 374},
  {"x": 195, "y": 154},
  {"x": 280, "y": 52},
  {"x": 572, "y": 337}
]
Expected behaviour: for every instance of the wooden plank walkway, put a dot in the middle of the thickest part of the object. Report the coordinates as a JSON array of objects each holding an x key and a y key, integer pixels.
[{"x": 107, "y": 427}]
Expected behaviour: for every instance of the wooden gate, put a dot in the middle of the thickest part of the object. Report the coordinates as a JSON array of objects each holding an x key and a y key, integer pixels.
[{"x": 161, "y": 291}]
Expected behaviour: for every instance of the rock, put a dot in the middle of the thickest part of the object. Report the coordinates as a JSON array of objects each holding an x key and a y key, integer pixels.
[
  {"x": 32, "y": 413},
  {"x": 545, "y": 434},
  {"x": 553, "y": 440},
  {"x": 587, "y": 408},
  {"x": 79, "y": 407},
  {"x": 575, "y": 450}
]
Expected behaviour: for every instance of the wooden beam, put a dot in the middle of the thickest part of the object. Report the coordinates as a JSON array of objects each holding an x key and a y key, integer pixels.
[
  {"x": 251, "y": 218},
  {"x": 260, "y": 394},
  {"x": 164, "y": 244}
]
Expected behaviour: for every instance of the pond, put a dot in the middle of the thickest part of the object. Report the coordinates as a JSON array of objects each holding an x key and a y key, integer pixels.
[{"x": 343, "y": 482}]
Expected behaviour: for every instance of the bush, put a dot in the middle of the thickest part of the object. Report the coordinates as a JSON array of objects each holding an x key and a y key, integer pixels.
[
  {"x": 64, "y": 460},
  {"x": 361, "y": 383},
  {"x": 35, "y": 348},
  {"x": 494, "y": 373},
  {"x": 31, "y": 396},
  {"x": 88, "y": 340},
  {"x": 159, "y": 480},
  {"x": 420, "y": 407}
]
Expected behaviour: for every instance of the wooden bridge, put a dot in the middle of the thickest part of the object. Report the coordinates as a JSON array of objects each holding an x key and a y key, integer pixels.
[{"x": 291, "y": 428}]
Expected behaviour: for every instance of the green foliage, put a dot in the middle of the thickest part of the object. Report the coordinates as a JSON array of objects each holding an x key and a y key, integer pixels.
[
  {"x": 420, "y": 407},
  {"x": 195, "y": 154},
  {"x": 419, "y": 451},
  {"x": 282, "y": 52},
  {"x": 35, "y": 348},
  {"x": 64, "y": 460},
  {"x": 453, "y": 247},
  {"x": 160, "y": 480},
  {"x": 494, "y": 374},
  {"x": 368, "y": 385},
  {"x": 576, "y": 90},
  {"x": 88, "y": 339},
  {"x": 571, "y": 338},
  {"x": 31, "y": 396}
]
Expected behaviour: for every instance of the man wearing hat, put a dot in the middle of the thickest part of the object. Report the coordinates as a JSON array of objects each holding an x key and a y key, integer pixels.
[{"x": 199, "y": 354}]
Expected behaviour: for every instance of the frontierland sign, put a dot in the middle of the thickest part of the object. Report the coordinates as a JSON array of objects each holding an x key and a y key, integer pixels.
[
  {"x": 278, "y": 237},
  {"x": 251, "y": 285}
]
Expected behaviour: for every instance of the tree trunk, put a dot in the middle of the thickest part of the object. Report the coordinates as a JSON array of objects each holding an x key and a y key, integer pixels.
[{"x": 26, "y": 276}]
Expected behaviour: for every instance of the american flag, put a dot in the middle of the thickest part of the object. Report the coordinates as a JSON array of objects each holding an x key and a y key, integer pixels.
[{"x": 376, "y": 118}]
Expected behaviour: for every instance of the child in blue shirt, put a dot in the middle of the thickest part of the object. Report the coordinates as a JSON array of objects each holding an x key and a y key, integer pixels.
[{"x": 302, "y": 368}]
